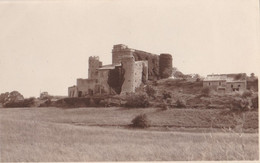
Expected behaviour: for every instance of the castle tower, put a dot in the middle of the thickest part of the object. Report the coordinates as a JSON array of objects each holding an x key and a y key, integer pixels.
[
  {"x": 120, "y": 51},
  {"x": 165, "y": 65},
  {"x": 94, "y": 64},
  {"x": 128, "y": 66}
]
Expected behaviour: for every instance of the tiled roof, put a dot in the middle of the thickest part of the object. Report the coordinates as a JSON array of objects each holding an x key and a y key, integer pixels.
[
  {"x": 216, "y": 78},
  {"x": 225, "y": 77},
  {"x": 109, "y": 67}
]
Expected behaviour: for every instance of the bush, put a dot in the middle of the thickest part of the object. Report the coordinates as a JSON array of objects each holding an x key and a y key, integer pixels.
[
  {"x": 247, "y": 94},
  {"x": 137, "y": 100},
  {"x": 151, "y": 92},
  {"x": 166, "y": 73},
  {"x": 240, "y": 104},
  {"x": 205, "y": 91},
  {"x": 23, "y": 103},
  {"x": 255, "y": 102},
  {"x": 180, "y": 103},
  {"x": 164, "y": 105},
  {"x": 166, "y": 95},
  {"x": 141, "y": 121}
]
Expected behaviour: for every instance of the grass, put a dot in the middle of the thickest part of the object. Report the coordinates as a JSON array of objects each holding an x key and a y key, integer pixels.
[{"x": 52, "y": 134}]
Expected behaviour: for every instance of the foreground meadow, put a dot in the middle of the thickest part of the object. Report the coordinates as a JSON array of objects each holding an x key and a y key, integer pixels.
[{"x": 101, "y": 134}]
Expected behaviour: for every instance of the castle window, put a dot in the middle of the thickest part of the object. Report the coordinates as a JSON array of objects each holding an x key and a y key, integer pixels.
[
  {"x": 231, "y": 85},
  {"x": 209, "y": 83},
  {"x": 238, "y": 85},
  {"x": 219, "y": 83}
]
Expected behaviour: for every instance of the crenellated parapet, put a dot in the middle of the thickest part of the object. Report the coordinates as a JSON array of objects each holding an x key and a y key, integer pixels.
[{"x": 119, "y": 52}]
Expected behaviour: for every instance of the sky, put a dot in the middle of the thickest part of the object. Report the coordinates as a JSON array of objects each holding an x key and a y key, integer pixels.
[{"x": 45, "y": 45}]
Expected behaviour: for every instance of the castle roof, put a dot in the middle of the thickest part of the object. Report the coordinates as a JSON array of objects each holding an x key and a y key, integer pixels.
[
  {"x": 226, "y": 77},
  {"x": 109, "y": 67}
]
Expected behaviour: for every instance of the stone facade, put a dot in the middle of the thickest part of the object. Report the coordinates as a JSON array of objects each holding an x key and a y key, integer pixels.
[
  {"x": 73, "y": 91},
  {"x": 119, "y": 52},
  {"x": 226, "y": 82},
  {"x": 165, "y": 65},
  {"x": 94, "y": 64},
  {"x": 130, "y": 69}
]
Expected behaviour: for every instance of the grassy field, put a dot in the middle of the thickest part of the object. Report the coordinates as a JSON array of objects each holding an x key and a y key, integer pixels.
[{"x": 101, "y": 134}]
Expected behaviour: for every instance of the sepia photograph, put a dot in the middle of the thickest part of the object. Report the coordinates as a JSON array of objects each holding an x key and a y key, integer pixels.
[{"x": 129, "y": 80}]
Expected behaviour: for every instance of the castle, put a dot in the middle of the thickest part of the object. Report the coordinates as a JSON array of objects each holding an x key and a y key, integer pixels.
[{"x": 129, "y": 69}]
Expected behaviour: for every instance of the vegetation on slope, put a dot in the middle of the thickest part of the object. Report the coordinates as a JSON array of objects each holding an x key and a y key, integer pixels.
[{"x": 52, "y": 134}]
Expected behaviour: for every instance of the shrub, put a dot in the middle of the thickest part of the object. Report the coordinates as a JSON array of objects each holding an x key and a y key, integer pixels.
[
  {"x": 166, "y": 73},
  {"x": 255, "y": 102},
  {"x": 205, "y": 91},
  {"x": 180, "y": 103},
  {"x": 166, "y": 95},
  {"x": 240, "y": 104},
  {"x": 22, "y": 103},
  {"x": 137, "y": 100},
  {"x": 150, "y": 91},
  {"x": 141, "y": 121},
  {"x": 165, "y": 104},
  {"x": 247, "y": 93}
]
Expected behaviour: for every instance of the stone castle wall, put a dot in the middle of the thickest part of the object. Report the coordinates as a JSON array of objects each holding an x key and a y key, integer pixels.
[
  {"x": 157, "y": 65},
  {"x": 128, "y": 65},
  {"x": 86, "y": 86},
  {"x": 165, "y": 65},
  {"x": 94, "y": 64},
  {"x": 153, "y": 63},
  {"x": 73, "y": 91},
  {"x": 139, "y": 72},
  {"x": 104, "y": 88},
  {"x": 130, "y": 68},
  {"x": 119, "y": 52}
]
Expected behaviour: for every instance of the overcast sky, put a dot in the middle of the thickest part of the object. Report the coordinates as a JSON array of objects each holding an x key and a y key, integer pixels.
[{"x": 45, "y": 45}]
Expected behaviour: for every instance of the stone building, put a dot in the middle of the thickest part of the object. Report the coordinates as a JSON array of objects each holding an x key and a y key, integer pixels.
[
  {"x": 129, "y": 69},
  {"x": 226, "y": 82}
]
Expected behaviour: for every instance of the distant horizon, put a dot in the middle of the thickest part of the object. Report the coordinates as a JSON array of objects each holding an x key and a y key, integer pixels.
[{"x": 45, "y": 45}]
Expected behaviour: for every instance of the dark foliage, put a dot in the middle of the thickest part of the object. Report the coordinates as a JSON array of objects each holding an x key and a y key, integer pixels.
[
  {"x": 151, "y": 92},
  {"x": 253, "y": 84},
  {"x": 78, "y": 102},
  {"x": 247, "y": 93},
  {"x": 23, "y": 103},
  {"x": 205, "y": 91},
  {"x": 137, "y": 100},
  {"x": 255, "y": 102},
  {"x": 11, "y": 97},
  {"x": 141, "y": 121},
  {"x": 239, "y": 104},
  {"x": 180, "y": 103},
  {"x": 166, "y": 95}
]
